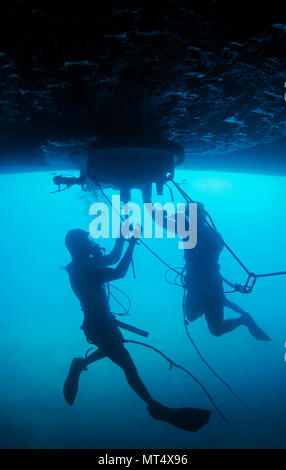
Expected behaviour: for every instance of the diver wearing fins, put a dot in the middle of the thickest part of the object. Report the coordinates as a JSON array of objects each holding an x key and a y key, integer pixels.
[
  {"x": 204, "y": 284},
  {"x": 88, "y": 273}
]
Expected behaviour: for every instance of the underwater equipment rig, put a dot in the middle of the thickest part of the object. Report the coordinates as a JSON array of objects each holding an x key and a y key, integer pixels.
[{"x": 128, "y": 164}]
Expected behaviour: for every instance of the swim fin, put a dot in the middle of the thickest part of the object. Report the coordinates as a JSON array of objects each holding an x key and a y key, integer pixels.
[
  {"x": 188, "y": 419},
  {"x": 254, "y": 329},
  {"x": 71, "y": 384}
]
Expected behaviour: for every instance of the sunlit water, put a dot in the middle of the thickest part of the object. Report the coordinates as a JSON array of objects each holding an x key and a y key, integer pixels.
[{"x": 41, "y": 318}]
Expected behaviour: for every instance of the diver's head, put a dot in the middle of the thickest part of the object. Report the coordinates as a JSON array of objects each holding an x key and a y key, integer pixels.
[{"x": 79, "y": 244}]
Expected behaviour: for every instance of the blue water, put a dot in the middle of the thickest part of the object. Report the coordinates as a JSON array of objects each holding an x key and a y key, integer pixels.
[{"x": 40, "y": 321}]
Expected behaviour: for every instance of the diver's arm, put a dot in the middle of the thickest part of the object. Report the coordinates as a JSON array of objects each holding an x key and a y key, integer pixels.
[
  {"x": 109, "y": 274},
  {"x": 115, "y": 255}
]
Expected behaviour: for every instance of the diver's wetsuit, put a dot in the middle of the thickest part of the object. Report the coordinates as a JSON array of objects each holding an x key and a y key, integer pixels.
[
  {"x": 88, "y": 280},
  {"x": 99, "y": 324},
  {"x": 204, "y": 286},
  {"x": 203, "y": 281}
]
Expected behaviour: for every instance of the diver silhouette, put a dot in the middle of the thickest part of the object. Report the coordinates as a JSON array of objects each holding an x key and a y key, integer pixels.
[
  {"x": 204, "y": 284},
  {"x": 88, "y": 273}
]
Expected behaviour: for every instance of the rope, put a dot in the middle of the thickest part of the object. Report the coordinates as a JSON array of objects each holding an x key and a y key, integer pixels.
[{"x": 174, "y": 364}]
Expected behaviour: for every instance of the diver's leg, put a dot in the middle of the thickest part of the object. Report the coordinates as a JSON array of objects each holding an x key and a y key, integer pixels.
[
  {"x": 248, "y": 321},
  {"x": 218, "y": 326},
  {"x": 190, "y": 419},
  {"x": 233, "y": 306},
  {"x": 78, "y": 364},
  {"x": 254, "y": 329},
  {"x": 227, "y": 326},
  {"x": 122, "y": 358},
  {"x": 215, "y": 318},
  {"x": 94, "y": 356}
]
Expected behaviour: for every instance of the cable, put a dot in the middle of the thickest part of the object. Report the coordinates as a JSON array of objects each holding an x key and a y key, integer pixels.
[
  {"x": 279, "y": 273},
  {"x": 173, "y": 364},
  {"x": 126, "y": 310},
  {"x": 211, "y": 225},
  {"x": 171, "y": 192},
  {"x": 176, "y": 283},
  {"x": 226, "y": 384},
  {"x": 121, "y": 305},
  {"x": 236, "y": 257},
  {"x": 123, "y": 293}
]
